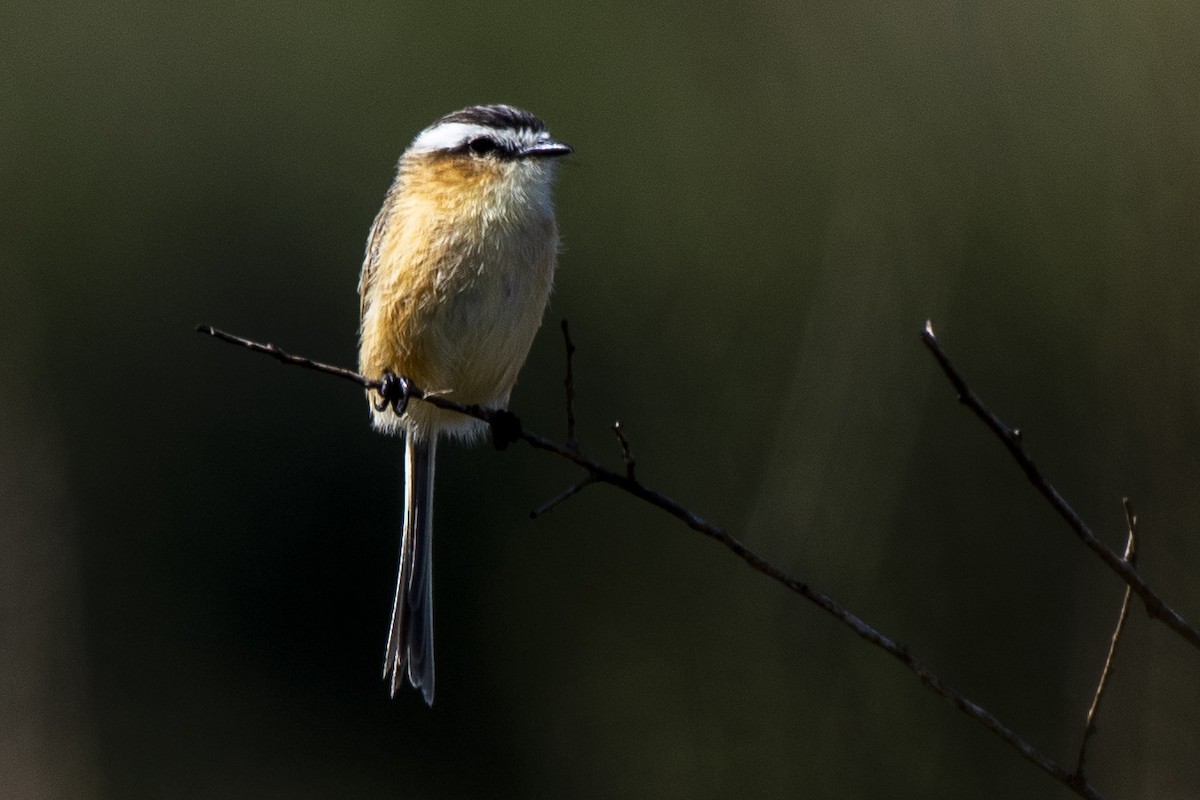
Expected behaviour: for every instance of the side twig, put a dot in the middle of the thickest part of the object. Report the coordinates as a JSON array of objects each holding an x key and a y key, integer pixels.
[
  {"x": 627, "y": 483},
  {"x": 1011, "y": 438},
  {"x": 570, "y": 492},
  {"x": 1089, "y": 729},
  {"x": 626, "y": 453},
  {"x": 569, "y": 383}
]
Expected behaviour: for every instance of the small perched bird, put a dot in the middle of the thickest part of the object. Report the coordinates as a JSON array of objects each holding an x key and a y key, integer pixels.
[{"x": 456, "y": 278}]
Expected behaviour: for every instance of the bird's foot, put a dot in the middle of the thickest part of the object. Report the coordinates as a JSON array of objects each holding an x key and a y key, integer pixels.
[
  {"x": 394, "y": 392},
  {"x": 506, "y": 428}
]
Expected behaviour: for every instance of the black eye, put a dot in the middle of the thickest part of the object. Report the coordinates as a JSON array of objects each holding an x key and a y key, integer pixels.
[{"x": 481, "y": 145}]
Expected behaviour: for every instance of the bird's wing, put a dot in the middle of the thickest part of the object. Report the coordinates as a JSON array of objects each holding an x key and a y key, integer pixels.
[{"x": 371, "y": 259}]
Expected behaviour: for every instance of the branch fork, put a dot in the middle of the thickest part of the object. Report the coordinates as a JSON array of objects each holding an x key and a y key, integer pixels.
[{"x": 397, "y": 391}]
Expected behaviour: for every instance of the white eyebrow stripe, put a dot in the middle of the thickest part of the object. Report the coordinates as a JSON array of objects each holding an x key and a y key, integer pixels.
[
  {"x": 452, "y": 134},
  {"x": 448, "y": 135}
]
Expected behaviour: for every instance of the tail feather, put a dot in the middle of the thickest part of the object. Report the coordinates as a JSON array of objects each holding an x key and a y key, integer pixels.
[{"x": 410, "y": 638}]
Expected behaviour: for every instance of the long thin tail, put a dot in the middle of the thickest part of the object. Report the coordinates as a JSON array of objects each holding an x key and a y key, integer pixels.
[{"x": 410, "y": 640}]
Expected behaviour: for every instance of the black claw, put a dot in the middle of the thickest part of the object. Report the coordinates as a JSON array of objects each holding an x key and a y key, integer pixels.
[
  {"x": 506, "y": 429},
  {"x": 393, "y": 391}
]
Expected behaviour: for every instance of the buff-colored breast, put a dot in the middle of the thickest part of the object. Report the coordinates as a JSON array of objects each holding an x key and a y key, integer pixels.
[{"x": 458, "y": 275}]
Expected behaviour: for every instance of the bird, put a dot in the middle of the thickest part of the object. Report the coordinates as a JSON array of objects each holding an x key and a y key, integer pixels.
[{"x": 457, "y": 275}]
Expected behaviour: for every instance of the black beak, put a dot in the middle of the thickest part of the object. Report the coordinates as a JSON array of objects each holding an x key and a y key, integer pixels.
[{"x": 547, "y": 149}]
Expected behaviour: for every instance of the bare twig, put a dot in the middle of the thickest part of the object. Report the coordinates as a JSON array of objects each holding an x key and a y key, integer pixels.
[
  {"x": 287, "y": 358},
  {"x": 569, "y": 383},
  {"x": 1011, "y": 437},
  {"x": 1089, "y": 729},
  {"x": 570, "y": 492},
  {"x": 626, "y": 455},
  {"x": 627, "y": 483},
  {"x": 490, "y": 416}
]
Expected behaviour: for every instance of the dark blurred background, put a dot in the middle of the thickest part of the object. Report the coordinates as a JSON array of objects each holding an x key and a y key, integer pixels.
[{"x": 197, "y": 546}]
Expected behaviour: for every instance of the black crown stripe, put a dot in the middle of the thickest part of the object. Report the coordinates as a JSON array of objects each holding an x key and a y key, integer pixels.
[{"x": 495, "y": 116}]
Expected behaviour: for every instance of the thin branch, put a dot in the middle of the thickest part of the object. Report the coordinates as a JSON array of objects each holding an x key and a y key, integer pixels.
[
  {"x": 570, "y": 492},
  {"x": 288, "y": 358},
  {"x": 627, "y": 483},
  {"x": 569, "y": 383},
  {"x": 626, "y": 454},
  {"x": 490, "y": 416},
  {"x": 1011, "y": 437},
  {"x": 1089, "y": 729}
]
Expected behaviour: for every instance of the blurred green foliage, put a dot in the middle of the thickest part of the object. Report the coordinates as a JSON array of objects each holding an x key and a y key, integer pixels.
[{"x": 767, "y": 202}]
